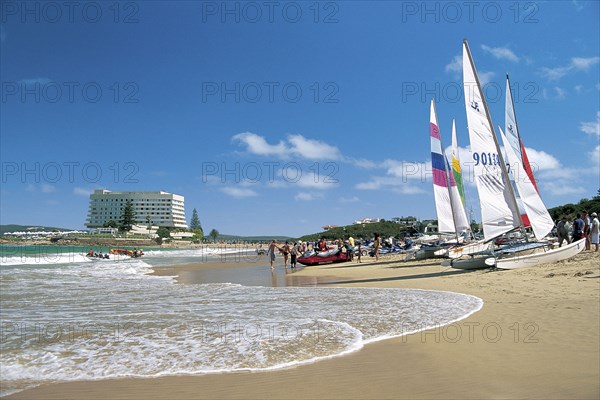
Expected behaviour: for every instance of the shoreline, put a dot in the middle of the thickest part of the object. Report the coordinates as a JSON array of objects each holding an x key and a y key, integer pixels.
[{"x": 537, "y": 336}]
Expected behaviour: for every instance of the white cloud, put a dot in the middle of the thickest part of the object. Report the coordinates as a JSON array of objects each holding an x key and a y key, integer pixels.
[
  {"x": 562, "y": 189},
  {"x": 256, "y": 144},
  {"x": 396, "y": 184},
  {"x": 312, "y": 149},
  {"x": 594, "y": 156},
  {"x": 591, "y": 128},
  {"x": 352, "y": 199},
  {"x": 361, "y": 162},
  {"x": 501, "y": 53},
  {"x": 540, "y": 160},
  {"x": 455, "y": 65},
  {"x": 578, "y": 89},
  {"x": 576, "y": 64},
  {"x": 407, "y": 169},
  {"x": 485, "y": 77},
  {"x": 295, "y": 146},
  {"x": 556, "y": 93},
  {"x": 316, "y": 181},
  {"x": 305, "y": 196},
  {"x": 239, "y": 192}
]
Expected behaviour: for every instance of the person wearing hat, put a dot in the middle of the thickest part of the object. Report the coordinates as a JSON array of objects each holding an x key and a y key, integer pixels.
[
  {"x": 595, "y": 231},
  {"x": 562, "y": 231}
]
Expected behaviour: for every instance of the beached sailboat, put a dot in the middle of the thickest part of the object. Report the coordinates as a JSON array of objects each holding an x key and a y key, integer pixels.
[
  {"x": 451, "y": 216},
  {"x": 499, "y": 209}
]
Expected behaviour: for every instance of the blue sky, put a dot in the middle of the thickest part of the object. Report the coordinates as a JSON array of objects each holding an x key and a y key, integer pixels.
[{"x": 279, "y": 118}]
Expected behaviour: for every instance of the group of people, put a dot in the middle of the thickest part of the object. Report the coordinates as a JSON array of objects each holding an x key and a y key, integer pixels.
[
  {"x": 584, "y": 226},
  {"x": 291, "y": 252},
  {"x": 92, "y": 253}
]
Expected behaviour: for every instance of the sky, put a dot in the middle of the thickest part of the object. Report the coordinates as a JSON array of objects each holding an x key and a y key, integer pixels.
[{"x": 277, "y": 118}]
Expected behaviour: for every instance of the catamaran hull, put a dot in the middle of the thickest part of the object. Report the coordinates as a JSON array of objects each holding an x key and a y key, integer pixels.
[
  {"x": 558, "y": 254},
  {"x": 469, "y": 263},
  {"x": 318, "y": 260}
]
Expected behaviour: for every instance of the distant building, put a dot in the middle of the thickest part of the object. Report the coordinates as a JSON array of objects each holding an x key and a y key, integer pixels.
[
  {"x": 328, "y": 227},
  {"x": 366, "y": 221},
  {"x": 160, "y": 209},
  {"x": 409, "y": 221}
]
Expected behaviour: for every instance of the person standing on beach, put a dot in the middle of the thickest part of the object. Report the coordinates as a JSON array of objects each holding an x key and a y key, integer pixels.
[
  {"x": 595, "y": 231},
  {"x": 286, "y": 253},
  {"x": 562, "y": 231},
  {"x": 586, "y": 229},
  {"x": 359, "y": 252},
  {"x": 271, "y": 252},
  {"x": 294, "y": 253},
  {"x": 376, "y": 246},
  {"x": 578, "y": 228}
]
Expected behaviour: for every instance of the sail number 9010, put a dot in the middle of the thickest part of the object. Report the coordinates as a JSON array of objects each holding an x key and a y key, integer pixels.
[{"x": 486, "y": 158}]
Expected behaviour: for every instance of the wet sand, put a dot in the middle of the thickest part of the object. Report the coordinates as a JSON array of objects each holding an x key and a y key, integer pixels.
[{"x": 537, "y": 336}]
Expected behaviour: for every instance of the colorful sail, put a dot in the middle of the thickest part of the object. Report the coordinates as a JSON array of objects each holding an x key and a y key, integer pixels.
[
  {"x": 499, "y": 212},
  {"x": 456, "y": 171},
  {"x": 450, "y": 213},
  {"x": 539, "y": 218}
]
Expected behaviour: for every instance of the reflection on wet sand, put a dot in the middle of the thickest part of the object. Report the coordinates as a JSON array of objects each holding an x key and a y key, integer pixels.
[{"x": 248, "y": 273}]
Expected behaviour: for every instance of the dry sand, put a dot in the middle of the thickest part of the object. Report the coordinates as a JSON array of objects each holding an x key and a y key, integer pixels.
[{"x": 537, "y": 336}]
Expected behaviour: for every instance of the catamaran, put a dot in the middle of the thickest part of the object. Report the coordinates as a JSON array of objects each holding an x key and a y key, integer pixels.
[{"x": 499, "y": 208}]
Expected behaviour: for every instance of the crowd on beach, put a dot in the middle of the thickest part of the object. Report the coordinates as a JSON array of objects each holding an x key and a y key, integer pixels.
[
  {"x": 583, "y": 226},
  {"x": 351, "y": 247}
]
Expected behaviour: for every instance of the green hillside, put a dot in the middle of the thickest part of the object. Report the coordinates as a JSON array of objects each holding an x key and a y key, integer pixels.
[
  {"x": 25, "y": 228},
  {"x": 385, "y": 229}
]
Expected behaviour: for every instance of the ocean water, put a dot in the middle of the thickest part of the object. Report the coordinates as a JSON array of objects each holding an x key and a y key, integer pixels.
[{"x": 65, "y": 317}]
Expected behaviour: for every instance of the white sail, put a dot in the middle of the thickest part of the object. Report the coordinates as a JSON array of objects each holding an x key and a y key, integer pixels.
[
  {"x": 539, "y": 218},
  {"x": 499, "y": 212}
]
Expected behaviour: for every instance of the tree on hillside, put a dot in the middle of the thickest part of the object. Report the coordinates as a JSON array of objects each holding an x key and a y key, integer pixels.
[
  {"x": 214, "y": 234},
  {"x": 195, "y": 225},
  {"x": 127, "y": 217}
]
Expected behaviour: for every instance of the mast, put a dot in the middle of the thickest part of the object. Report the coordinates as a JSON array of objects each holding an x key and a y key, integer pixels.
[{"x": 489, "y": 119}]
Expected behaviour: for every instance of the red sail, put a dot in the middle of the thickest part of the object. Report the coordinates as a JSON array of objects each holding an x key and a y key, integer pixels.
[{"x": 528, "y": 169}]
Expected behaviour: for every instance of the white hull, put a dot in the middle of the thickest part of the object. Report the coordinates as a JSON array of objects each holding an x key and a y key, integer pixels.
[
  {"x": 554, "y": 255},
  {"x": 476, "y": 247}
]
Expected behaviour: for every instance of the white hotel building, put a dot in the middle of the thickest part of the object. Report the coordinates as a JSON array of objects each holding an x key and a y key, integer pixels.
[{"x": 164, "y": 209}]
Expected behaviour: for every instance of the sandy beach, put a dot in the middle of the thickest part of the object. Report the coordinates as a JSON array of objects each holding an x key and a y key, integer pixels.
[{"x": 537, "y": 336}]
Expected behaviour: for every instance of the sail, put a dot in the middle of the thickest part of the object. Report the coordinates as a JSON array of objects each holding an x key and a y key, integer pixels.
[
  {"x": 522, "y": 168},
  {"x": 540, "y": 219},
  {"x": 450, "y": 211},
  {"x": 499, "y": 212},
  {"x": 456, "y": 171},
  {"x": 441, "y": 193},
  {"x": 458, "y": 210},
  {"x": 516, "y": 170}
]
